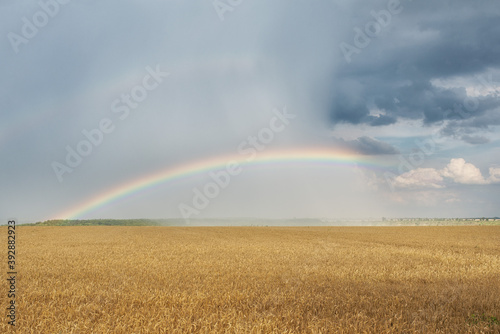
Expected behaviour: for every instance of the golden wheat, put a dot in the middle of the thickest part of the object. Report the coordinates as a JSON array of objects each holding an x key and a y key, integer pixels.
[{"x": 256, "y": 280}]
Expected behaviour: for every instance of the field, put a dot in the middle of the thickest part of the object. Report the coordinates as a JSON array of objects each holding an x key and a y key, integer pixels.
[{"x": 256, "y": 279}]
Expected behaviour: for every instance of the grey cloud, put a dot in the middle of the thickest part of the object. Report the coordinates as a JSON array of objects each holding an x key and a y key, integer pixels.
[
  {"x": 381, "y": 120},
  {"x": 475, "y": 140},
  {"x": 394, "y": 72},
  {"x": 473, "y": 130},
  {"x": 368, "y": 146}
]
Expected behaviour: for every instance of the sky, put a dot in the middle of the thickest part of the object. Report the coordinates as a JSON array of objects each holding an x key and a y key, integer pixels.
[{"x": 99, "y": 95}]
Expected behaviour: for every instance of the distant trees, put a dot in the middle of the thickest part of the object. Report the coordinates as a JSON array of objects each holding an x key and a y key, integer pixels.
[{"x": 99, "y": 222}]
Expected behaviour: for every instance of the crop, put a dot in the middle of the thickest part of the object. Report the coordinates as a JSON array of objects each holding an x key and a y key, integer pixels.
[{"x": 109, "y": 279}]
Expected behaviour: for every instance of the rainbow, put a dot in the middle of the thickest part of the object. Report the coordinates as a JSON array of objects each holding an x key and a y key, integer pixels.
[{"x": 314, "y": 155}]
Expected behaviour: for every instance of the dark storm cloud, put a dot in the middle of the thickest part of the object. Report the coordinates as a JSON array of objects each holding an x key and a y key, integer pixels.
[
  {"x": 475, "y": 140},
  {"x": 368, "y": 146},
  {"x": 381, "y": 120},
  {"x": 473, "y": 129},
  {"x": 426, "y": 41}
]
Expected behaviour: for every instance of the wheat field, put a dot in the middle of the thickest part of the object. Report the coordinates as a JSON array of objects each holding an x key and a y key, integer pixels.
[{"x": 256, "y": 280}]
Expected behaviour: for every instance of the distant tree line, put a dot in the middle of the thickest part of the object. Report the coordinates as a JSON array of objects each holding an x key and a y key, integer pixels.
[{"x": 98, "y": 222}]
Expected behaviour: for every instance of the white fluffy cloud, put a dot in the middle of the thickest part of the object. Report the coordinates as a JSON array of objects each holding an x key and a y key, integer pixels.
[
  {"x": 463, "y": 172},
  {"x": 494, "y": 175},
  {"x": 458, "y": 171},
  {"x": 420, "y": 177}
]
